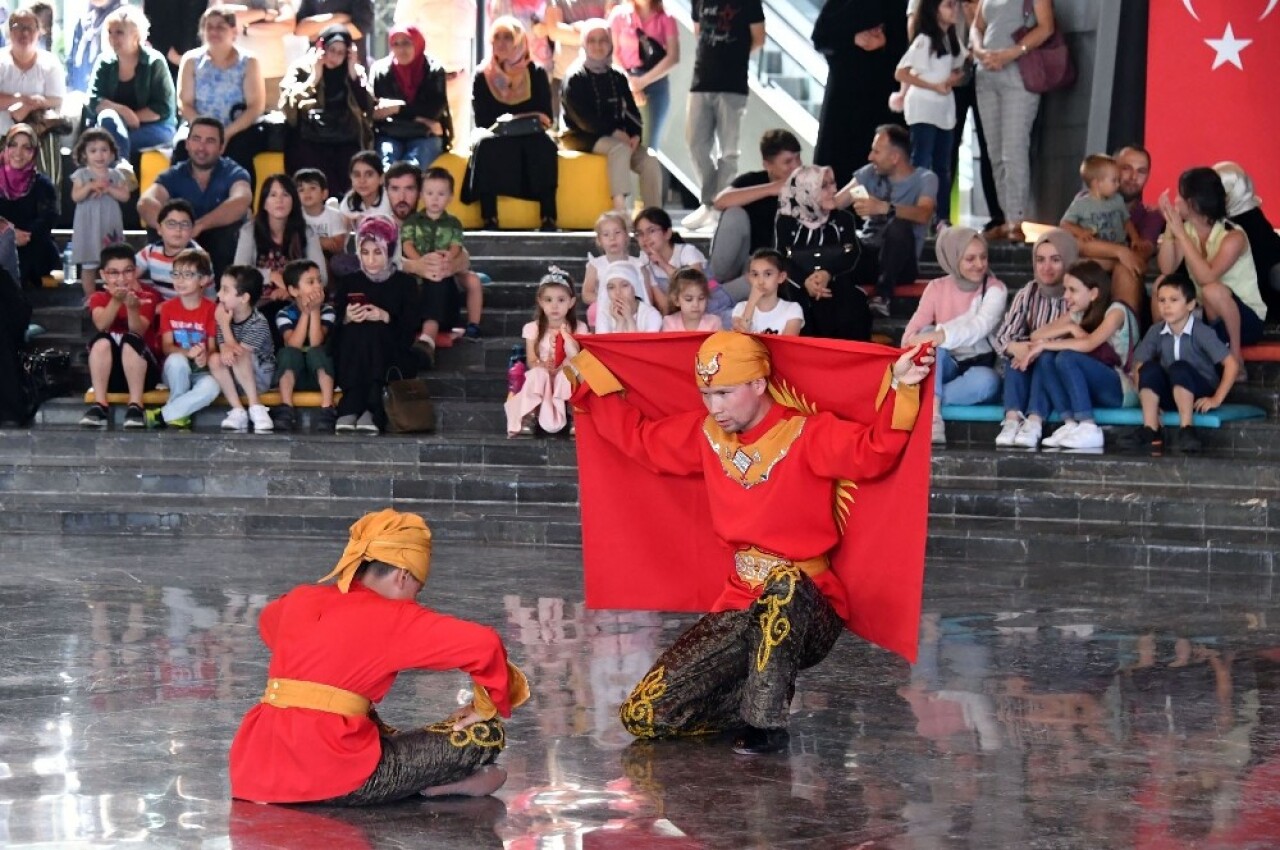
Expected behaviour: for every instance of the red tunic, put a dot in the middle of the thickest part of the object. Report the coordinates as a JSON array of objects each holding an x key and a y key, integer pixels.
[
  {"x": 357, "y": 641},
  {"x": 788, "y": 514}
]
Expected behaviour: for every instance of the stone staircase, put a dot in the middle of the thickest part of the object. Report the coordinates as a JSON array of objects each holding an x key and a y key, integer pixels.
[{"x": 1214, "y": 518}]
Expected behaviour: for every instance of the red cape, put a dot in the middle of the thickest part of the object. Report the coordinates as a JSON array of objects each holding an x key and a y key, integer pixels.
[{"x": 646, "y": 538}]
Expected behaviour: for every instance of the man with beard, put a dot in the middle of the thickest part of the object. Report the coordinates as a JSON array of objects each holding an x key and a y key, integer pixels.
[
  {"x": 1135, "y": 170},
  {"x": 403, "y": 185},
  {"x": 217, "y": 188}
]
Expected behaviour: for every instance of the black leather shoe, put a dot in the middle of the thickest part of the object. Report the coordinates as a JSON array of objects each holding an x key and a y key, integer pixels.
[{"x": 762, "y": 742}]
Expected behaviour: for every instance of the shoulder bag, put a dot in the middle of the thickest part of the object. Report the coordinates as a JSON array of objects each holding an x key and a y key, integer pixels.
[{"x": 1048, "y": 67}]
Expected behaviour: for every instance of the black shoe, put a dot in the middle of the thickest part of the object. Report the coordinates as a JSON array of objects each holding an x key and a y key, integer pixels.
[
  {"x": 325, "y": 419},
  {"x": 490, "y": 223},
  {"x": 95, "y": 417},
  {"x": 548, "y": 225},
  {"x": 284, "y": 418},
  {"x": 472, "y": 332},
  {"x": 1141, "y": 439},
  {"x": 762, "y": 742},
  {"x": 135, "y": 417},
  {"x": 1185, "y": 441}
]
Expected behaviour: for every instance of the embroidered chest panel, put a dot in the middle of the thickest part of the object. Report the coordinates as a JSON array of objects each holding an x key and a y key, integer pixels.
[{"x": 751, "y": 464}]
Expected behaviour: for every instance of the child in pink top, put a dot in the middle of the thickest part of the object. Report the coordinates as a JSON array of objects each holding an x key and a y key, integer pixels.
[
  {"x": 958, "y": 314},
  {"x": 548, "y": 342},
  {"x": 689, "y": 293}
]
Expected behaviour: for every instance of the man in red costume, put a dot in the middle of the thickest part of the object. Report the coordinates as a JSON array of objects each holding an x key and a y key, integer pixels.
[
  {"x": 336, "y": 650},
  {"x": 772, "y": 474}
]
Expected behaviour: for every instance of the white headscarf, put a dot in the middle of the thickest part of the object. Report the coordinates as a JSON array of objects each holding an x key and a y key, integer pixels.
[{"x": 1239, "y": 186}]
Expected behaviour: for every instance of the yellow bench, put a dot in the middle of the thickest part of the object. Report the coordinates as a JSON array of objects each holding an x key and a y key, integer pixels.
[
  {"x": 581, "y": 195},
  {"x": 264, "y": 165},
  {"x": 271, "y": 398}
]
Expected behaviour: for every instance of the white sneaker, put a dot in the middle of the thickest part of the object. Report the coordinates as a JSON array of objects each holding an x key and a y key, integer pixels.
[
  {"x": 365, "y": 424},
  {"x": 939, "y": 431},
  {"x": 1086, "y": 435},
  {"x": 1008, "y": 431},
  {"x": 261, "y": 419},
  {"x": 1055, "y": 439},
  {"x": 703, "y": 216},
  {"x": 345, "y": 424},
  {"x": 237, "y": 420},
  {"x": 1028, "y": 436}
]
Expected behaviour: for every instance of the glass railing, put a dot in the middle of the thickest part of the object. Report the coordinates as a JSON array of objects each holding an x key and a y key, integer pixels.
[{"x": 788, "y": 60}]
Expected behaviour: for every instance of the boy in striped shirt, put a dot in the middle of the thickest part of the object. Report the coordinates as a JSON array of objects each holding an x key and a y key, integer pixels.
[{"x": 246, "y": 357}]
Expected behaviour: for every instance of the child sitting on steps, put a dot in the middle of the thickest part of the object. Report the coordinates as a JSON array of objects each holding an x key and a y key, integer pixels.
[
  {"x": 548, "y": 343},
  {"x": 246, "y": 356}
]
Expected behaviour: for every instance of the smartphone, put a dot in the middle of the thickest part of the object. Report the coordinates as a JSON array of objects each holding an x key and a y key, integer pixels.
[{"x": 357, "y": 298}]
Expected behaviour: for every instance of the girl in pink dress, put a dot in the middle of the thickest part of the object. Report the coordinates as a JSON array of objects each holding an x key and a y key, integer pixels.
[{"x": 548, "y": 342}]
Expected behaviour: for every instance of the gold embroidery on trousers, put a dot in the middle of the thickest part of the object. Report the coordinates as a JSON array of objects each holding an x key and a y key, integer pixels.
[
  {"x": 775, "y": 627},
  {"x": 637, "y": 712},
  {"x": 483, "y": 734}
]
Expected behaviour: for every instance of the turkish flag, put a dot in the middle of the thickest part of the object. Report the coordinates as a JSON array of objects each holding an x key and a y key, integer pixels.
[
  {"x": 1212, "y": 68},
  {"x": 647, "y": 541}
]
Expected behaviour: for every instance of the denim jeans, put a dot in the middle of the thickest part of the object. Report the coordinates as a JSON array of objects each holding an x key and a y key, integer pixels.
[
  {"x": 654, "y": 112},
  {"x": 185, "y": 398},
  {"x": 1017, "y": 386},
  {"x": 1071, "y": 383},
  {"x": 978, "y": 384},
  {"x": 154, "y": 134},
  {"x": 421, "y": 152},
  {"x": 931, "y": 149}
]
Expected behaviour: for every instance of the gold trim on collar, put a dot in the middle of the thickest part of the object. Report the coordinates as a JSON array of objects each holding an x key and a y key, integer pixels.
[{"x": 752, "y": 464}]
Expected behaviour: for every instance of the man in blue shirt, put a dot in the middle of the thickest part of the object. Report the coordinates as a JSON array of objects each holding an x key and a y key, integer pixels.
[{"x": 217, "y": 188}]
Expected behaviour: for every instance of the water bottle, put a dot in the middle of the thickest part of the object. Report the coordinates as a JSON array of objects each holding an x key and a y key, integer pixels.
[{"x": 68, "y": 267}]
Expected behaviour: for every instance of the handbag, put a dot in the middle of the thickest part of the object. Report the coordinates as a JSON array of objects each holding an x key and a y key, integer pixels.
[
  {"x": 516, "y": 125},
  {"x": 328, "y": 127},
  {"x": 651, "y": 53},
  {"x": 407, "y": 405},
  {"x": 1048, "y": 67}
]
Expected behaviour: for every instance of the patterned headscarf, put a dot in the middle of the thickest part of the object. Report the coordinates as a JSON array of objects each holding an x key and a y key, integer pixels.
[
  {"x": 509, "y": 82},
  {"x": 381, "y": 229},
  {"x": 801, "y": 196}
]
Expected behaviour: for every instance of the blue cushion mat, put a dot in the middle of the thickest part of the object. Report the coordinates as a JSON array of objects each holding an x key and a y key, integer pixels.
[{"x": 1110, "y": 415}]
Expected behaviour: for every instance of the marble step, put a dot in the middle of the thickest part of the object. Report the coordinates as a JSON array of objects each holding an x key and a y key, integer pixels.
[{"x": 1253, "y": 439}]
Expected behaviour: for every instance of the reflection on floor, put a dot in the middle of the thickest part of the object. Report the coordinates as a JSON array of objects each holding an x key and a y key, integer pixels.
[{"x": 1050, "y": 708}]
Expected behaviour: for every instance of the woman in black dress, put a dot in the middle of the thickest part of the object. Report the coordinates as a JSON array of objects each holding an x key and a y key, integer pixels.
[{"x": 28, "y": 208}]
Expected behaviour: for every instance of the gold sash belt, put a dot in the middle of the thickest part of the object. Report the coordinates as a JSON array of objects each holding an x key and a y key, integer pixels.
[
  {"x": 293, "y": 693},
  {"x": 754, "y": 565}
]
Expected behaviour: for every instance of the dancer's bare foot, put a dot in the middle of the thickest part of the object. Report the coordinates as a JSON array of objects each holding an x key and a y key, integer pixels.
[{"x": 482, "y": 783}]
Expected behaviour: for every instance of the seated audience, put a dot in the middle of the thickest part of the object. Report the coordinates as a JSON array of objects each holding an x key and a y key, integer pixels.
[
  {"x": 326, "y": 102},
  {"x": 368, "y": 195},
  {"x": 217, "y": 188},
  {"x": 246, "y": 357},
  {"x": 1084, "y": 358},
  {"x": 222, "y": 81},
  {"x": 663, "y": 253},
  {"x": 276, "y": 236},
  {"x": 621, "y": 310},
  {"x": 28, "y": 208},
  {"x": 764, "y": 312},
  {"x": 614, "y": 241},
  {"x": 125, "y": 342},
  {"x": 188, "y": 339},
  {"x": 411, "y": 119},
  {"x": 1180, "y": 365},
  {"x": 548, "y": 342},
  {"x": 98, "y": 188},
  {"x": 896, "y": 202},
  {"x": 131, "y": 95},
  {"x": 174, "y": 221},
  {"x": 688, "y": 295},
  {"x": 1244, "y": 209},
  {"x": 600, "y": 116},
  {"x": 1135, "y": 170},
  {"x": 516, "y": 158},
  {"x": 432, "y": 230},
  {"x": 1215, "y": 253},
  {"x": 1035, "y": 305},
  {"x": 324, "y": 222},
  {"x": 378, "y": 313},
  {"x": 958, "y": 314},
  {"x": 820, "y": 244},
  {"x": 32, "y": 82},
  {"x": 1099, "y": 220},
  {"x": 748, "y": 209},
  {"x": 304, "y": 364},
  {"x": 449, "y": 26}
]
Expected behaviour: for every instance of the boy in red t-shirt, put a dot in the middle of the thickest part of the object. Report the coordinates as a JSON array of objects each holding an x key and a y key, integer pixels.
[
  {"x": 188, "y": 335},
  {"x": 122, "y": 352}
]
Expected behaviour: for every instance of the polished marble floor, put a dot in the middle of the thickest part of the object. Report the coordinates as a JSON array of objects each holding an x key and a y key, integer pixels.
[{"x": 1051, "y": 708}]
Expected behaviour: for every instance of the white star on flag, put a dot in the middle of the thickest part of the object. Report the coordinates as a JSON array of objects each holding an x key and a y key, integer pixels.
[{"x": 1227, "y": 49}]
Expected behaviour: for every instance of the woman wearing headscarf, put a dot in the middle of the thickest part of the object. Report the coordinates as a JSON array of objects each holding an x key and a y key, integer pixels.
[
  {"x": 1244, "y": 209},
  {"x": 820, "y": 245},
  {"x": 957, "y": 315},
  {"x": 132, "y": 95},
  {"x": 517, "y": 158},
  {"x": 378, "y": 319},
  {"x": 411, "y": 119},
  {"x": 1034, "y": 306},
  {"x": 325, "y": 99},
  {"x": 28, "y": 207},
  {"x": 600, "y": 116}
]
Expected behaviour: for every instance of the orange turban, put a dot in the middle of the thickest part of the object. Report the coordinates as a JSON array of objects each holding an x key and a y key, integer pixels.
[
  {"x": 728, "y": 358},
  {"x": 401, "y": 540}
]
